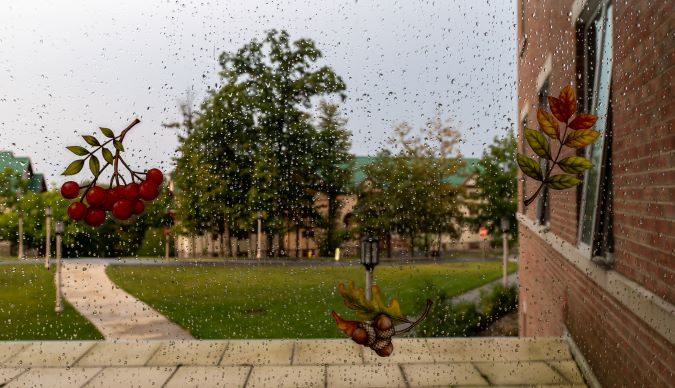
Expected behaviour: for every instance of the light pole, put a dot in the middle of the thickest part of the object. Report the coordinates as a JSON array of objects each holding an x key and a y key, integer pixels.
[
  {"x": 505, "y": 229},
  {"x": 57, "y": 276},
  {"x": 258, "y": 246},
  {"x": 18, "y": 197},
  {"x": 48, "y": 235},
  {"x": 370, "y": 257}
]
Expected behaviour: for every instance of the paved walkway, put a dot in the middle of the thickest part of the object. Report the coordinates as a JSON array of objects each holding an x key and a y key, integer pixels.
[
  {"x": 116, "y": 314},
  {"x": 288, "y": 363},
  {"x": 474, "y": 294}
]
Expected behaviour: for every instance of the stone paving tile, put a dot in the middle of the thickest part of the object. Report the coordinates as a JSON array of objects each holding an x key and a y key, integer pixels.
[
  {"x": 258, "y": 352},
  {"x": 364, "y": 376},
  {"x": 120, "y": 353},
  {"x": 313, "y": 352},
  {"x": 6, "y": 374},
  {"x": 406, "y": 350},
  {"x": 425, "y": 375},
  {"x": 498, "y": 349},
  {"x": 519, "y": 373},
  {"x": 287, "y": 376},
  {"x": 209, "y": 376},
  {"x": 569, "y": 370},
  {"x": 54, "y": 377},
  {"x": 189, "y": 353},
  {"x": 50, "y": 353},
  {"x": 136, "y": 377},
  {"x": 9, "y": 349}
]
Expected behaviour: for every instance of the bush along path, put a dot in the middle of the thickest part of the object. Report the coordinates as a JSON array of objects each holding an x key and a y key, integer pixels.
[{"x": 116, "y": 314}]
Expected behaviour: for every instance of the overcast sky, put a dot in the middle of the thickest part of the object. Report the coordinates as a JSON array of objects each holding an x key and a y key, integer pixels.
[{"x": 68, "y": 67}]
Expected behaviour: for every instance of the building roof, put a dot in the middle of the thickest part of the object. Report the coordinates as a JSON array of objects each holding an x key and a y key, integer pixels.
[
  {"x": 22, "y": 165},
  {"x": 470, "y": 166}
]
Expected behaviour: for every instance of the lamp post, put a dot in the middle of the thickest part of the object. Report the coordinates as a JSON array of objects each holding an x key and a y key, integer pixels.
[
  {"x": 370, "y": 257},
  {"x": 48, "y": 235},
  {"x": 505, "y": 229},
  {"x": 258, "y": 253},
  {"x": 57, "y": 279},
  {"x": 20, "y": 211}
]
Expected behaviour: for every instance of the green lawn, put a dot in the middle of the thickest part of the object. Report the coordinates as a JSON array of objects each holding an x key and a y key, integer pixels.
[
  {"x": 281, "y": 302},
  {"x": 27, "y": 298}
]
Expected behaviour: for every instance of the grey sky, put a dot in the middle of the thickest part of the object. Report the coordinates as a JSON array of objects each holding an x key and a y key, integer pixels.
[{"x": 68, "y": 67}]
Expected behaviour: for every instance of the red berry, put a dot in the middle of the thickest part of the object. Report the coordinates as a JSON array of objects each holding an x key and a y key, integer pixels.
[
  {"x": 70, "y": 190},
  {"x": 122, "y": 209},
  {"x": 139, "y": 206},
  {"x": 155, "y": 176},
  {"x": 76, "y": 211},
  {"x": 111, "y": 197},
  {"x": 148, "y": 190},
  {"x": 131, "y": 191},
  {"x": 94, "y": 216},
  {"x": 96, "y": 196}
]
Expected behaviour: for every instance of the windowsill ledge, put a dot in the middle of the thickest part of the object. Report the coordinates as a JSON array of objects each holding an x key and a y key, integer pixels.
[{"x": 654, "y": 311}]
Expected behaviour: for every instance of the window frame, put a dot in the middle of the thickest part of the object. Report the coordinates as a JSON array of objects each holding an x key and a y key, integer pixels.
[{"x": 596, "y": 250}]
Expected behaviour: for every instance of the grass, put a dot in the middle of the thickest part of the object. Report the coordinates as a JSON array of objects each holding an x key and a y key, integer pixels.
[
  {"x": 27, "y": 299},
  {"x": 282, "y": 302}
]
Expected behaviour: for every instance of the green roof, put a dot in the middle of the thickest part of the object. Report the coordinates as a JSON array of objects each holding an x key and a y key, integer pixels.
[
  {"x": 21, "y": 165},
  {"x": 470, "y": 165}
]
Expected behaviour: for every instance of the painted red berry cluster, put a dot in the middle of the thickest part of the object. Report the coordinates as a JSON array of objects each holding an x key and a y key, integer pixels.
[{"x": 121, "y": 198}]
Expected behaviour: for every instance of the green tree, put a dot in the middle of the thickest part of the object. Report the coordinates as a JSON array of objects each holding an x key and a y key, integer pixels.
[
  {"x": 333, "y": 167},
  {"x": 409, "y": 192},
  {"x": 497, "y": 185}
]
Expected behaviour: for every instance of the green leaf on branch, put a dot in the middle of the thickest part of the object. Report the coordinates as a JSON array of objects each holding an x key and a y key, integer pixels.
[
  {"x": 77, "y": 150},
  {"x": 107, "y": 132},
  {"x": 118, "y": 145},
  {"x": 530, "y": 167},
  {"x": 107, "y": 155},
  {"x": 91, "y": 140},
  {"x": 575, "y": 164},
  {"x": 562, "y": 181},
  {"x": 548, "y": 124},
  {"x": 74, "y": 167},
  {"x": 355, "y": 299},
  {"x": 538, "y": 143},
  {"x": 581, "y": 138},
  {"x": 94, "y": 165}
]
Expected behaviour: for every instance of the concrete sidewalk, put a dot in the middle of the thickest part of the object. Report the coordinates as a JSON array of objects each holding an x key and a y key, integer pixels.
[
  {"x": 115, "y": 313},
  {"x": 288, "y": 363}
]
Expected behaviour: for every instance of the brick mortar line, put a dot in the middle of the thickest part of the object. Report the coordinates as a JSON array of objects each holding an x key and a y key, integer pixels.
[
  {"x": 293, "y": 352},
  {"x": 556, "y": 370},
  {"x": 14, "y": 354},
  {"x": 84, "y": 354},
  {"x": 405, "y": 378},
  {"x": 155, "y": 352},
  {"x": 26, "y": 370},
  {"x": 93, "y": 377},
  {"x": 248, "y": 376},
  {"x": 480, "y": 372},
  {"x": 227, "y": 347}
]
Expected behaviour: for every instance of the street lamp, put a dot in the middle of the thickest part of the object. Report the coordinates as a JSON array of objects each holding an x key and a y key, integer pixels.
[
  {"x": 505, "y": 229},
  {"x": 57, "y": 279},
  {"x": 20, "y": 211},
  {"x": 48, "y": 235},
  {"x": 370, "y": 257}
]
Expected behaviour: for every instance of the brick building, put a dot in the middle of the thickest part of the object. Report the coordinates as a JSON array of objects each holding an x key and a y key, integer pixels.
[{"x": 598, "y": 262}]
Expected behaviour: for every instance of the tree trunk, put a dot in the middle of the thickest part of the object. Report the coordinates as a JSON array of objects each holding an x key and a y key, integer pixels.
[
  {"x": 412, "y": 246},
  {"x": 389, "y": 245},
  {"x": 229, "y": 241},
  {"x": 426, "y": 245},
  {"x": 297, "y": 240}
]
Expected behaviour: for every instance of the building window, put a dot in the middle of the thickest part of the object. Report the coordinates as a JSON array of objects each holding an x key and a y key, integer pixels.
[
  {"x": 543, "y": 208},
  {"x": 595, "y": 71}
]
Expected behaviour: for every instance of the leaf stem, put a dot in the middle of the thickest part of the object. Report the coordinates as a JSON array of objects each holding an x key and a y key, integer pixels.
[
  {"x": 420, "y": 319},
  {"x": 528, "y": 201}
]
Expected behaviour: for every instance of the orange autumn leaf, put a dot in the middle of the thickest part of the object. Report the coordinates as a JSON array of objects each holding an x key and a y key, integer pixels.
[
  {"x": 548, "y": 124},
  {"x": 581, "y": 138},
  {"x": 557, "y": 109},
  {"x": 583, "y": 121},
  {"x": 568, "y": 102},
  {"x": 345, "y": 325}
]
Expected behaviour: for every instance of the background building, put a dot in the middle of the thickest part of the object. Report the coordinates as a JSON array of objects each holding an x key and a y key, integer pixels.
[{"x": 598, "y": 262}]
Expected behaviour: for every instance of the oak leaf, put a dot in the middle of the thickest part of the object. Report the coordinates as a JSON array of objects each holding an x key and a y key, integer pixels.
[{"x": 355, "y": 299}]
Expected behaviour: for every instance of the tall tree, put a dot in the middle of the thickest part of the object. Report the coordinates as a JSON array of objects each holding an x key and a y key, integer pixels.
[
  {"x": 333, "y": 166},
  {"x": 409, "y": 192},
  {"x": 281, "y": 80},
  {"x": 497, "y": 185}
]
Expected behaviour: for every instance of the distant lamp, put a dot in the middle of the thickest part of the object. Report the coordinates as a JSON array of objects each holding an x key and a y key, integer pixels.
[
  {"x": 370, "y": 257},
  {"x": 505, "y": 224},
  {"x": 58, "y": 228}
]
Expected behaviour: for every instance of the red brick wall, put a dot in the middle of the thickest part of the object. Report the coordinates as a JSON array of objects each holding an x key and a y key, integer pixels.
[
  {"x": 620, "y": 348},
  {"x": 644, "y": 144},
  {"x": 549, "y": 32}
]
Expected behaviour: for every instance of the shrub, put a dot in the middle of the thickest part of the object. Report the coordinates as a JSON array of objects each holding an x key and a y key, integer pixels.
[{"x": 466, "y": 318}]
